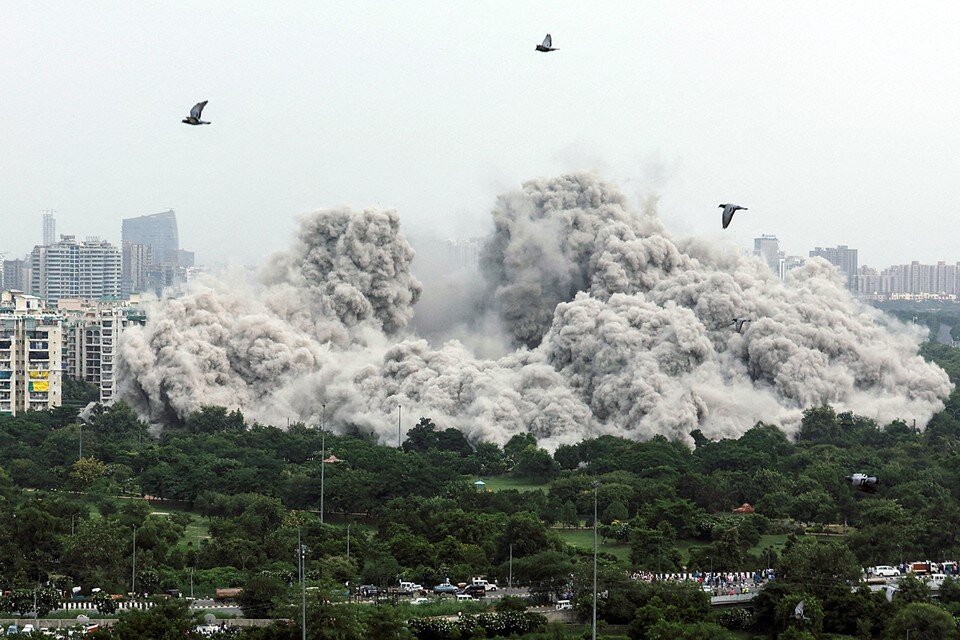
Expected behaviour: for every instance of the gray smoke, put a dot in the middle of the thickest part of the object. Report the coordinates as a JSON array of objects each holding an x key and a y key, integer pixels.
[{"x": 621, "y": 329}]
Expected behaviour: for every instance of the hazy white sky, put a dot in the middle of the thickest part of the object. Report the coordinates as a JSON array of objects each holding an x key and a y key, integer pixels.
[{"x": 834, "y": 122}]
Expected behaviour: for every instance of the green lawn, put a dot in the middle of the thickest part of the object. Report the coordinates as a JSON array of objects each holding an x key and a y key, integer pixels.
[
  {"x": 583, "y": 539},
  {"x": 499, "y": 483}
]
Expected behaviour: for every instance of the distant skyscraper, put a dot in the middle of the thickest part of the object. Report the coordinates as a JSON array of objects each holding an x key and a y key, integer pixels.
[
  {"x": 137, "y": 260},
  {"x": 158, "y": 231},
  {"x": 767, "y": 248},
  {"x": 49, "y": 228},
  {"x": 69, "y": 269},
  {"x": 16, "y": 275},
  {"x": 844, "y": 258},
  {"x": 463, "y": 253}
]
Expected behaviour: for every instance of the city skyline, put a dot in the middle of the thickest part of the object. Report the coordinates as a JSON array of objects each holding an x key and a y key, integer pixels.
[{"x": 437, "y": 129}]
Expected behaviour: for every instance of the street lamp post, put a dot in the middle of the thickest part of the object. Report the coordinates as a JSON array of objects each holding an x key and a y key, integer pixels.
[
  {"x": 323, "y": 452},
  {"x": 133, "y": 573},
  {"x": 302, "y": 566},
  {"x": 348, "y": 541},
  {"x": 510, "y": 578},
  {"x": 594, "y": 626},
  {"x": 399, "y": 415}
]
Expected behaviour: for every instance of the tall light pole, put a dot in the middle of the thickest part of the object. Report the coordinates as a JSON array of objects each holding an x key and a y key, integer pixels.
[
  {"x": 80, "y": 424},
  {"x": 302, "y": 566},
  {"x": 323, "y": 452},
  {"x": 348, "y": 541},
  {"x": 596, "y": 485},
  {"x": 510, "y": 578},
  {"x": 133, "y": 573},
  {"x": 399, "y": 414}
]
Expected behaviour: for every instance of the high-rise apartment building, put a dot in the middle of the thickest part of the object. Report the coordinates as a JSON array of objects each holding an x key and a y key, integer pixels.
[
  {"x": 767, "y": 248},
  {"x": 49, "y": 228},
  {"x": 16, "y": 275},
  {"x": 30, "y": 355},
  {"x": 158, "y": 231},
  {"x": 463, "y": 253},
  {"x": 71, "y": 269},
  {"x": 90, "y": 335},
  {"x": 137, "y": 260},
  {"x": 844, "y": 258}
]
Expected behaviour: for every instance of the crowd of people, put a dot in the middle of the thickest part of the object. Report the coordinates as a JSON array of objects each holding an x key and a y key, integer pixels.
[{"x": 716, "y": 584}]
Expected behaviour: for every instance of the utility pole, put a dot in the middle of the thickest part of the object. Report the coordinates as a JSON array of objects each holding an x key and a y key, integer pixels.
[
  {"x": 80, "y": 424},
  {"x": 510, "y": 578},
  {"x": 133, "y": 575},
  {"x": 302, "y": 552},
  {"x": 191, "y": 584},
  {"x": 323, "y": 452},
  {"x": 594, "y": 632},
  {"x": 399, "y": 414},
  {"x": 348, "y": 541}
]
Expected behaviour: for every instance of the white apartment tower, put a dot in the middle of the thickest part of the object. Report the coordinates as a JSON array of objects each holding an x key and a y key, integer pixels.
[
  {"x": 71, "y": 269},
  {"x": 30, "y": 355},
  {"x": 90, "y": 338}
]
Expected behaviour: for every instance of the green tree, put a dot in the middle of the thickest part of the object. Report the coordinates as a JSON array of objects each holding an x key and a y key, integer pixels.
[
  {"x": 922, "y": 620},
  {"x": 168, "y": 619},
  {"x": 819, "y": 568},
  {"x": 86, "y": 470},
  {"x": 261, "y": 594},
  {"x": 517, "y": 444},
  {"x": 615, "y": 511},
  {"x": 536, "y": 463}
]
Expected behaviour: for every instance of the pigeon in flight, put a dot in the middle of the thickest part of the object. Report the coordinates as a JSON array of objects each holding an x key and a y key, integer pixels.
[
  {"x": 736, "y": 322},
  {"x": 194, "y": 117},
  {"x": 863, "y": 482},
  {"x": 547, "y": 45},
  {"x": 728, "y": 211}
]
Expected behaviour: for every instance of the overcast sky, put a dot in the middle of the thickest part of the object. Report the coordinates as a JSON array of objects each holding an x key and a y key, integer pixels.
[{"x": 833, "y": 122}]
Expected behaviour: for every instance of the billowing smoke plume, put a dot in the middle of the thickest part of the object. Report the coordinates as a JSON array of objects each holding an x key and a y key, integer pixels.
[{"x": 620, "y": 329}]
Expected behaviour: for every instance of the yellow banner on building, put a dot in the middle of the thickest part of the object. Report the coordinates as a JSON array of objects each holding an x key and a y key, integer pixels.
[
  {"x": 39, "y": 375},
  {"x": 40, "y": 386}
]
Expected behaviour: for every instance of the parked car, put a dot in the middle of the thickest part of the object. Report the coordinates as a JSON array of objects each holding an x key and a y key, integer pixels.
[
  {"x": 416, "y": 601},
  {"x": 563, "y": 604},
  {"x": 474, "y": 591},
  {"x": 462, "y": 596},
  {"x": 368, "y": 590},
  {"x": 445, "y": 587},
  {"x": 885, "y": 571},
  {"x": 13, "y": 630}
]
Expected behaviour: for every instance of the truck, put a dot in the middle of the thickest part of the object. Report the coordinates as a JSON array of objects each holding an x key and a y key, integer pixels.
[
  {"x": 230, "y": 593},
  {"x": 482, "y": 582}
]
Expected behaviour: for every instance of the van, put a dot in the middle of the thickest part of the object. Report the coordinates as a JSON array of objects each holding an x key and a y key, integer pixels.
[
  {"x": 461, "y": 597},
  {"x": 563, "y": 604}
]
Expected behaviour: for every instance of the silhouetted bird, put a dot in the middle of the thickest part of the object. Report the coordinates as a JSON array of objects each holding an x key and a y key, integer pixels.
[
  {"x": 547, "y": 44},
  {"x": 194, "y": 117},
  {"x": 736, "y": 322},
  {"x": 863, "y": 482},
  {"x": 728, "y": 211}
]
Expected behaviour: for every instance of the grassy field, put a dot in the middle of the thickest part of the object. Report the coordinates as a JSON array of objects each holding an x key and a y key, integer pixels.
[
  {"x": 583, "y": 539},
  {"x": 499, "y": 483}
]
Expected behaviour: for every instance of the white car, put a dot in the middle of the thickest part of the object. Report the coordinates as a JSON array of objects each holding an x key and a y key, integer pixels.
[
  {"x": 885, "y": 571},
  {"x": 563, "y": 604}
]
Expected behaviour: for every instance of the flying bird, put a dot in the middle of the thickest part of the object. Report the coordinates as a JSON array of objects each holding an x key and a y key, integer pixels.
[
  {"x": 728, "y": 211},
  {"x": 736, "y": 322},
  {"x": 194, "y": 117},
  {"x": 863, "y": 482},
  {"x": 798, "y": 612},
  {"x": 547, "y": 45}
]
